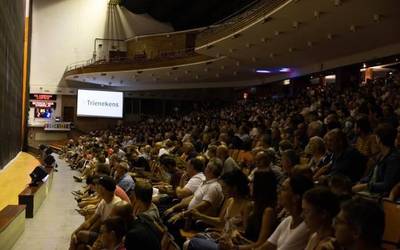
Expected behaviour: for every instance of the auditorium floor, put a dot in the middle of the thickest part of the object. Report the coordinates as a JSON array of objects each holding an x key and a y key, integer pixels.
[{"x": 56, "y": 219}]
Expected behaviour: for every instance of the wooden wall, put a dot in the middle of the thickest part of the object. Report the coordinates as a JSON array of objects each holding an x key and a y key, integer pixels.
[{"x": 12, "y": 14}]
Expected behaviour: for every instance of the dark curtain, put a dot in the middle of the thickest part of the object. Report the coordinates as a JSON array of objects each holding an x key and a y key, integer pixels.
[{"x": 12, "y": 14}]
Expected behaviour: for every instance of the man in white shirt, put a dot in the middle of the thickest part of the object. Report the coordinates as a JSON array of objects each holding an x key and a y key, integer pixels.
[
  {"x": 194, "y": 172},
  {"x": 88, "y": 232},
  {"x": 207, "y": 198}
]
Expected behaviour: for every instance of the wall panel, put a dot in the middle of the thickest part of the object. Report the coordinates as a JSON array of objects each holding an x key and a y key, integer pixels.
[{"x": 12, "y": 14}]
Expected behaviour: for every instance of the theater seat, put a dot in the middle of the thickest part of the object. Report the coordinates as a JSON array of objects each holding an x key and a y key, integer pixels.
[
  {"x": 391, "y": 237},
  {"x": 168, "y": 243}
]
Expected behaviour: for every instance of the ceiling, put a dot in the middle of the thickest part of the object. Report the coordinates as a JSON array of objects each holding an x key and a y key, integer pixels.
[
  {"x": 305, "y": 36},
  {"x": 184, "y": 14}
]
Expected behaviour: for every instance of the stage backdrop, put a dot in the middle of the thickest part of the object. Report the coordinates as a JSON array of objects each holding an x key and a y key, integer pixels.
[{"x": 12, "y": 14}]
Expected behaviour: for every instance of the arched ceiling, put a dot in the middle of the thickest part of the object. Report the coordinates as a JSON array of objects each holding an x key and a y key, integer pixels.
[{"x": 184, "y": 14}]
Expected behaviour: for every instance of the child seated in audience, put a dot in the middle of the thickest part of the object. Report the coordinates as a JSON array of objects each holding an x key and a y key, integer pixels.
[{"x": 112, "y": 232}]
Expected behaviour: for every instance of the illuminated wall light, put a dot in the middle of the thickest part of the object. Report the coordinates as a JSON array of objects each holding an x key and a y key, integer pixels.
[
  {"x": 263, "y": 71},
  {"x": 286, "y": 82},
  {"x": 330, "y": 77},
  {"x": 364, "y": 65}
]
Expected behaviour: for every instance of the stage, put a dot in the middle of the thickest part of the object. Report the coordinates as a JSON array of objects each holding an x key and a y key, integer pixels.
[{"x": 15, "y": 177}]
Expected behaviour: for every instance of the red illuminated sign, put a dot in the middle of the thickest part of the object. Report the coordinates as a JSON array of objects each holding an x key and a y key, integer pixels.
[{"x": 43, "y": 97}]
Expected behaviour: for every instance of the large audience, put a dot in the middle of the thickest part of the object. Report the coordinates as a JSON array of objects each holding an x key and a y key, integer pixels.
[{"x": 304, "y": 171}]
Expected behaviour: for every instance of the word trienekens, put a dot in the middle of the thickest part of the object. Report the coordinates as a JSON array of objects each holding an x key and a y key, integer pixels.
[{"x": 103, "y": 104}]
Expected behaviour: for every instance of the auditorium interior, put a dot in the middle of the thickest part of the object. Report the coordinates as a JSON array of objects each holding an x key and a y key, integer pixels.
[{"x": 199, "y": 125}]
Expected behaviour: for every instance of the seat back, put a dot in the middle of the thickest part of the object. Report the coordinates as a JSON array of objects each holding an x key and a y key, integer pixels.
[
  {"x": 168, "y": 243},
  {"x": 391, "y": 236}
]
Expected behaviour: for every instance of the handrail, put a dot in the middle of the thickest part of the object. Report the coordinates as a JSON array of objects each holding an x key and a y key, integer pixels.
[
  {"x": 238, "y": 12},
  {"x": 165, "y": 54},
  {"x": 258, "y": 11}
]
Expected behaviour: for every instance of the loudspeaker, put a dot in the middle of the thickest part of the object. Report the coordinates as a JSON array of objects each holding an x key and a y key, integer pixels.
[{"x": 37, "y": 175}]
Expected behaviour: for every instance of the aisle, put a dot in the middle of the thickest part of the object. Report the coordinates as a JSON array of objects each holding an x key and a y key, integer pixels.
[{"x": 56, "y": 219}]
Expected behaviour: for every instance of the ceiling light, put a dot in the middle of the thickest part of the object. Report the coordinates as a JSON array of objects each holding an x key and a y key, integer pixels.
[
  {"x": 377, "y": 17},
  {"x": 237, "y": 35},
  {"x": 330, "y": 77},
  {"x": 284, "y": 70},
  {"x": 364, "y": 65},
  {"x": 267, "y": 19},
  {"x": 263, "y": 71},
  {"x": 286, "y": 82}
]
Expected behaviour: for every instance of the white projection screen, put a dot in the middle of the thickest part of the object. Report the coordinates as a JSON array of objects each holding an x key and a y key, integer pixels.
[{"x": 94, "y": 103}]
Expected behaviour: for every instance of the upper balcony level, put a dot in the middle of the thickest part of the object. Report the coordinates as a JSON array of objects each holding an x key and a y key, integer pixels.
[{"x": 299, "y": 36}]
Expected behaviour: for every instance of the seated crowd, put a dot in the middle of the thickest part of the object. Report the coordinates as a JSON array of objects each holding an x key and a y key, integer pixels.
[{"x": 300, "y": 172}]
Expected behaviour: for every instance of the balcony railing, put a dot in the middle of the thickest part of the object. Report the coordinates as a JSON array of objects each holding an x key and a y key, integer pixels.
[
  {"x": 232, "y": 25},
  {"x": 140, "y": 58}
]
